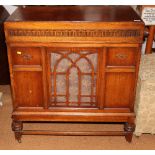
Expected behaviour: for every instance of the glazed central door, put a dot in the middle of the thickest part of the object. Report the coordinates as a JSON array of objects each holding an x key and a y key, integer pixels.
[{"x": 73, "y": 75}]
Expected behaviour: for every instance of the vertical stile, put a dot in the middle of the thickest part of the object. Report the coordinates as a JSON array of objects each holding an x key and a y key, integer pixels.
[
  {"x": 49, "y": 84},
  {"x": 101, "y": 77},
  {"x": 11, "y": 76},
  {"x": 43, "y": 53},
  {"x": 136, "y": 77}
]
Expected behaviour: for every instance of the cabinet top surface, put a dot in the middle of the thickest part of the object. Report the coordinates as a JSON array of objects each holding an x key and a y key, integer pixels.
[{"x": 75, "y": 14}]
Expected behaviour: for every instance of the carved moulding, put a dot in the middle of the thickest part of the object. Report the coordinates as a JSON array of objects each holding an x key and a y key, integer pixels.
[{"x": 75, "y": 32}]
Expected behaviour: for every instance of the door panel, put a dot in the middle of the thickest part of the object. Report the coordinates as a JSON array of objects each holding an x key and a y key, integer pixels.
[
  {"x": 73, "y": 77},
  {"x": 28, "y": 89},
  {"x": 119, "y": 90}
]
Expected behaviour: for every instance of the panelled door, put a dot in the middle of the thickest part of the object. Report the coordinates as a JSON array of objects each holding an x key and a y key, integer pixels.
[{"x": 74, "y": 77}]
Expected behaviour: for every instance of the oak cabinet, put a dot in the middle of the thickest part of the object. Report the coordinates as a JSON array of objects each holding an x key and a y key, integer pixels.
[{"x": 67, "y": 71}]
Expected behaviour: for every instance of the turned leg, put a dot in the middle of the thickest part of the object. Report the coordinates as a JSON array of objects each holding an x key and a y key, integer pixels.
[
  {"x": 129, "y": 128},
  {"x": 17, "y": 127}
]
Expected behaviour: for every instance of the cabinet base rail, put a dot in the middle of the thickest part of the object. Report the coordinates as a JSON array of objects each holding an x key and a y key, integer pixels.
[
  {"x": 70, "y": 133},
  {"x": 73, "y": 133},
  {"x": 17, "y": 127}
]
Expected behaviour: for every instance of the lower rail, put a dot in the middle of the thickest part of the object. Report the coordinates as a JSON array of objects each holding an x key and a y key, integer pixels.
[{"x": 73, "y": 133}]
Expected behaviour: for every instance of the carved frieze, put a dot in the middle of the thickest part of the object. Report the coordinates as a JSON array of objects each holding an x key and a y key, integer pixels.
[{"x": 75, "y": 32}]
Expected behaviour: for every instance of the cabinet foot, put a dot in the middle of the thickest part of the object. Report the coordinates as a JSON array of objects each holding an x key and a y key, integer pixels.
[
  {"x": 129, "y": 128},
  {"x": 17, "y": 127}
]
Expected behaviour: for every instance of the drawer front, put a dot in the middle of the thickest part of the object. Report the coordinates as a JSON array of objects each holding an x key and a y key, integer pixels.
[
  {"x": 26, "y": 56},
  {"x": 122, "y": 56}
]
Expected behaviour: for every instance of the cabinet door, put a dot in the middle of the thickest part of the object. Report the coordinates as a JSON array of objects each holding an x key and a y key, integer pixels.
[
  {"x": 73, "y": 77},
  {"x": 119, "y": 90},
  {"x": 28, "y": 89}
]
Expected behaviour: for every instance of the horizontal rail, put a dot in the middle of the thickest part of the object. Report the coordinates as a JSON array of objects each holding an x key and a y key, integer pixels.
[
  {"x": 73, "y": 133},
  {"x": 27, "y": 68}
]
